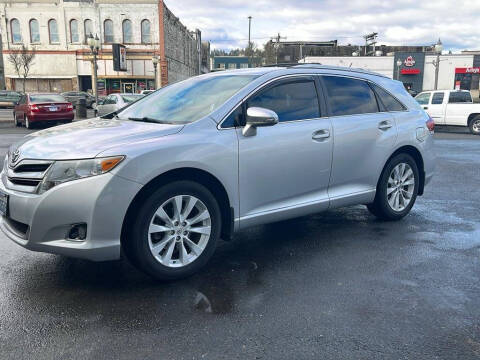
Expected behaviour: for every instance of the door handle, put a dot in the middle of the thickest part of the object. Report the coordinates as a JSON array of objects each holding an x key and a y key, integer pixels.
[
  {"x": 321, "y": 135},
  {"x": 425, "y": 108},
  {"x": 385, "y": 125}
]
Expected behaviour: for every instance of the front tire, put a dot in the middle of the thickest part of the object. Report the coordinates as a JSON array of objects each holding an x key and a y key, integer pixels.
[
  {"x": 397, "y": 189},
  {"x": 474, "y": 125},
  {"x": 175, "y": 231}
]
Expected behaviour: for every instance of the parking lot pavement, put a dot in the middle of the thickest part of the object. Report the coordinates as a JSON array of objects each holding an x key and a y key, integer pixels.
[{"x": 336, "y": 285}]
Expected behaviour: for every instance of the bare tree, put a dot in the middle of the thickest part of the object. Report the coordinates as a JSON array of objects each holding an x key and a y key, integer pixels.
[{"x": 22, "y": 62}]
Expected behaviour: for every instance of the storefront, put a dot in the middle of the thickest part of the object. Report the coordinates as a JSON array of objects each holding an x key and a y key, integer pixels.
[
  {"x": 411, "y": 70},
  {"x": 108, "y": 86},
  {"x": 467, "y": 78}
]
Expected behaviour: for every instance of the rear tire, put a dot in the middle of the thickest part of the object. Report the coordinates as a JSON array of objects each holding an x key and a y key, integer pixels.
[
  {"x": 28, "y": 125},
  {"x": 169, "y": 246},
  {"x": 474, "y": 125},
  {"x": 397, "y": 189},
  {"x": 15, "y": 120}
]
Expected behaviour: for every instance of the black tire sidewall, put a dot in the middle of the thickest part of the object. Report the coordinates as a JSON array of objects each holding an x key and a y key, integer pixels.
[
  {"x": 381, "y": 205},
  {"x": 471, "y": 126},
  {"x": 139, "y": 234}
]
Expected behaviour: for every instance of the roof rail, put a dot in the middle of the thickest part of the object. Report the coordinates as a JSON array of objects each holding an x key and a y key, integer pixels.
[{"x": 326, "y": 67}]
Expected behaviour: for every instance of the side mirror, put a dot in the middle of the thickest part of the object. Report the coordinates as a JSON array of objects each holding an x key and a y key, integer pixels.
[{"x": 257, "y": 116}]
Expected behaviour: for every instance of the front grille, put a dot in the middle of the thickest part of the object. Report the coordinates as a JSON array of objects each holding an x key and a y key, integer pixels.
[{"x": 27, "y": 175}]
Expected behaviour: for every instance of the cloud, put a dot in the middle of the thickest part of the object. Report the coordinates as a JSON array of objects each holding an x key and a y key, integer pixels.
[{"x": 406, "y": 22}]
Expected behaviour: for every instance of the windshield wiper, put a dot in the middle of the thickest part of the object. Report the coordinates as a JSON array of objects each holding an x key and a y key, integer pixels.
[{"x": 146, "y": 119}]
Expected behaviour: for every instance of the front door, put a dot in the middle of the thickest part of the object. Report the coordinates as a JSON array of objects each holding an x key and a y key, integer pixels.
[
  {"x": 284, "y": 169},
  {"x": 129, "y": 88},
  {"x": 364, "y": 137}
]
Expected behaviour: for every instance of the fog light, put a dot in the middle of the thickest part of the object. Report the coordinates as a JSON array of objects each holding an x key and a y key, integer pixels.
[{"x": 78, "y": 232}]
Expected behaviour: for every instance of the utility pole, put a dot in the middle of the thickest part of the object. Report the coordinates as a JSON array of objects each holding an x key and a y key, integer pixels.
[
  {"x": 277, "y": 44},
  {"x": 249, "y": 42},
  {"x": 370, "y": 40}
]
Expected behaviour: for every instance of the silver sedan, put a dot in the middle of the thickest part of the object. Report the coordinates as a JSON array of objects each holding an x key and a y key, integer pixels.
[{"x": 114, "y": 102}]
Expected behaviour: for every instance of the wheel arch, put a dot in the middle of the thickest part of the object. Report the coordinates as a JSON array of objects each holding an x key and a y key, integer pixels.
[
  {"x": 471, "y": 117},
  {"x": 192, "y": 174},
  {"x": 417, "y": 156}
]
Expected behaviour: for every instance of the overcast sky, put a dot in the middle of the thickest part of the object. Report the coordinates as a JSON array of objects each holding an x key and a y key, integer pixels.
[{"x": 398, "y": 22}]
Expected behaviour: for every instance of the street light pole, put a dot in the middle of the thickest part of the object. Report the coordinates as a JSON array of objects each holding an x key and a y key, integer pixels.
[
  {"x": 155, "y": 64},
  {"x": 249, "y": 42},
  {"x": 438, "y": 50},
  {"x": 94, "y": 44},
  {"x": 399, "y": 63}
]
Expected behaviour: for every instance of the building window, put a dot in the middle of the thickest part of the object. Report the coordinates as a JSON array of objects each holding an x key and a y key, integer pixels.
[
  {"x": 34, "y": 31},
  {"x": 53, "y": 31},
  {"x": 127, "y": 32},
  {"x": 221, "y": 66},
  {"x": 232, "y": 66},
  {"x": 243, "y": 66},
  {"x": 87, "y": 28},
  {"x": 146, "y": 38},
  {"x": 108, "y": 31},
  {"x": 74, "y": 38},
  {"x": 15, "y": 31}
]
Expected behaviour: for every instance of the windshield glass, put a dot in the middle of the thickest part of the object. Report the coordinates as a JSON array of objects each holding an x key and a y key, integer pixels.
[
  {"x": 131, "y": 98},
  {"x": 46, "y": 98},
  {"x": 188, "y": 100}
]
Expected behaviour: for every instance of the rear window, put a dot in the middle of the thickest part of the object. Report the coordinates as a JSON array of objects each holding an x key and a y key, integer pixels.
[
  {"x": 388, "y": 101},
  {"x": 348, "y": 96},
  {"x": 131, "y": 98},
  {"x": 41, "y": 98},
  {"x": 459, "y": 97}
]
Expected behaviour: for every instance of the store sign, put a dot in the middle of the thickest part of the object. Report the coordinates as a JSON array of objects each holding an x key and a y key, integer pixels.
[
  {"x": 410, "y": 71},
  {"x": 409, "y": 61},
  {"x": 119, "y": 57},
  {"x": 467, "y": 70}
]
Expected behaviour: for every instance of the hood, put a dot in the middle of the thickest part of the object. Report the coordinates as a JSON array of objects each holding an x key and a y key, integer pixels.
[{"x": 88, "y": 138}]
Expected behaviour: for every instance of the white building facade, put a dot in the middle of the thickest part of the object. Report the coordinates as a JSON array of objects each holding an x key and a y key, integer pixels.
[{"x": 57, "y": 33}]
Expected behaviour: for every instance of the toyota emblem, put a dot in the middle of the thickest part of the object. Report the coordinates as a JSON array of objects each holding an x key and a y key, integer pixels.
[{"x": 15, "y": 156}]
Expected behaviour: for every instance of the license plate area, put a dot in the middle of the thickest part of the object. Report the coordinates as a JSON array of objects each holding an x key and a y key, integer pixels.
[
  {"x": 53, "y": 108},
  {"x": 3, "y": 204}
]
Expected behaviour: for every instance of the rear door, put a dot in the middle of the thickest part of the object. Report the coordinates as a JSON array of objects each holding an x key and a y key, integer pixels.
[
  {"x": 436, "y": 108},
  {"x": 458, "y": 108},
  {"x": 363, "y": 137},
  {"x": 284, "y": 169}
]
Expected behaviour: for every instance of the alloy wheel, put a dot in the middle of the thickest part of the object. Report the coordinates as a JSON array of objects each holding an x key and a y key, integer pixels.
[
  {"x": 400, "y": 187},
  {"x": 476, "y": 126},
  {"x": 179, "y": 231}
]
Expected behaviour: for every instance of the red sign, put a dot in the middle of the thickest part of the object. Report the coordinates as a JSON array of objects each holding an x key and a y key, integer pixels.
[
  {"x": 410, "y": 71},
  {"x": 467, "y": 70},
  {"x": 409, "y": 61}
]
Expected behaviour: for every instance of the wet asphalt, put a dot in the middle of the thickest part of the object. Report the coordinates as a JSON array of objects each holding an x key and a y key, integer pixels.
[{"x": 336, "y": 285}]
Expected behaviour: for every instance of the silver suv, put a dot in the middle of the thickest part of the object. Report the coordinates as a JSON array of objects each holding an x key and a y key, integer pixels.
[{"x": 163, "y": 179}]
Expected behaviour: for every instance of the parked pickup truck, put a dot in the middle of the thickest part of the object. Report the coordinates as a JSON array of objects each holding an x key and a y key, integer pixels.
[{"x": 451, "y": 107}]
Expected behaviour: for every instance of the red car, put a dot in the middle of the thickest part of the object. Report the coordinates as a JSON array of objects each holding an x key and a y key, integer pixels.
[{"x": 32, "y": 109}]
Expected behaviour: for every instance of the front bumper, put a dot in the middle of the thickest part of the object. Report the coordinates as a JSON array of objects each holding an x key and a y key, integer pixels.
[{"x": 42, "y": 222}]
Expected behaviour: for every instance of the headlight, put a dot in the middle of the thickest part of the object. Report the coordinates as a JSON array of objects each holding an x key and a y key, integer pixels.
[{"x": 63, "y": 171}]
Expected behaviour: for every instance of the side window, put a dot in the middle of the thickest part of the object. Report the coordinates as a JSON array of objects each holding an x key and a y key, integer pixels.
[
  {"x": 437, "y": 98},
  {"x": 423, "y": 98},
  {"x": 348, "y": 96},
  {"x": 296, "y": 100},
  {"x": 459, "y": 97},
  {"x": 388, "y": 101},
  {"x": 235, "y": 118},
  {"x": 114, "y": 100}
]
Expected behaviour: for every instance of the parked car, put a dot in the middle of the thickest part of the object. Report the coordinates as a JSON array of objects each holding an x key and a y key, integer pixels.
[
  {"x": 165, "y": 178},
  {"x": 74, "y": 96},
  {"x": 451, "y": 107},
  {"x": 9, "y": 98},
  {"x": 32, "y": 109},
  {"x": 114, "y": 102}
]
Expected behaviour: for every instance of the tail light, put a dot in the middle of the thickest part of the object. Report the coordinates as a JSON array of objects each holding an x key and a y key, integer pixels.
[
  {"x": 430, "y": 124},
  {"x": 69, "y": 107},
  {"x": 34, "y": 108}
]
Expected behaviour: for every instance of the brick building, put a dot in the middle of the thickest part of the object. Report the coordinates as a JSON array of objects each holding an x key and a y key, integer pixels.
[{"x": 57, "y": 32}]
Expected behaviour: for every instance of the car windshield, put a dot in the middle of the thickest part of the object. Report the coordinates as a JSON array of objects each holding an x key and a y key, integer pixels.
[
  {"x": 188, "y": 100},
  {"x": 41, "y": 98},
  {"x": 131, "y": 98}
]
